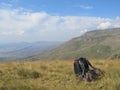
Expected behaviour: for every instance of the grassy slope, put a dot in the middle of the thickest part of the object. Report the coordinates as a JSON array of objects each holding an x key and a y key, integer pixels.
[
  {"x": 55, "y": 75},
  {"x": 99, "y": 44}
]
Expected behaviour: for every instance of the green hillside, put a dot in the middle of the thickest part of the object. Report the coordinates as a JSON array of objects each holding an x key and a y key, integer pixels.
[{"x": 97, "y": 44}]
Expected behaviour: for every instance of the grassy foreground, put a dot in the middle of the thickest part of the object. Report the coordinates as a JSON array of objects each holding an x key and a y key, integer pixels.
[{"x": 56, "y": 75}]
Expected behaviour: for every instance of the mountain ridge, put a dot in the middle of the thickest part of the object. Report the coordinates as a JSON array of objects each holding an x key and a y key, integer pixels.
[{"x": 97, "y": 44}]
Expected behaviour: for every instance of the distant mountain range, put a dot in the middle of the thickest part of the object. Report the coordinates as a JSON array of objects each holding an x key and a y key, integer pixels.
[
  {"x": 23, "y": 50},
  {"x": 97, "y": 44}
]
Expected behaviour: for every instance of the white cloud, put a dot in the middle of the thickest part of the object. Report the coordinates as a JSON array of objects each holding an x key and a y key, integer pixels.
[
  {"x": 86, "y": 7},
  {"x": 116, "y": 22},
  {"x": 14, "y": 1},
  {"x": 5, "y": 33},
  {"x": 19, "y": 25},
  {"x": 104, "y": 25},
  {"x": 11, "y": 21},
  {"x": 20, "y": 32}
]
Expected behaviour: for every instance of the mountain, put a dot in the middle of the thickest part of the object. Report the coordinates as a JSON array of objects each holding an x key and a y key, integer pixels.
[
  {"x": 97, "y": 44},
  {"x": 23, "y": 50}
]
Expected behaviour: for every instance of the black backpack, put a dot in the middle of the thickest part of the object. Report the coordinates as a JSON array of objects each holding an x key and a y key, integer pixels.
[{"x": 77, "y": 67}]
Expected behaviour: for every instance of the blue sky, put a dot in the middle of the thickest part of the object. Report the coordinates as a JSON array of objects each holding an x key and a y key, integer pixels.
[
  {"x": 55, "y": 20},
  {"x": 99, "y": 8}
]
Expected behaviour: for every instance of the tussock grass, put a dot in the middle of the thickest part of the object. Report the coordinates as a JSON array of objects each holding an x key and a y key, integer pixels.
[{"x": 56, "y": 75}]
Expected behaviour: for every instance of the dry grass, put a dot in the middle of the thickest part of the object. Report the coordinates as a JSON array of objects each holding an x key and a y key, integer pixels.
[{"x": 56, "y": 75}]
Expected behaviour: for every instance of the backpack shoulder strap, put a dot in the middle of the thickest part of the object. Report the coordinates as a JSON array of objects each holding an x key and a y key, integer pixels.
[
  {"x": 81, "y": 63},
  {"x": 82, "y": 67}
]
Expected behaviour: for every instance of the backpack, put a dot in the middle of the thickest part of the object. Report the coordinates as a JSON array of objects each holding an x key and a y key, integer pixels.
[
  {"x": 80, "y": 65},
  {"x": 84, "y": 64},
  {"x": 77, "y": 67}
]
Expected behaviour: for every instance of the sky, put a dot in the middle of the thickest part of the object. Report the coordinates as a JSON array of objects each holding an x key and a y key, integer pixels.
[{"x": 55, "y": 20}]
